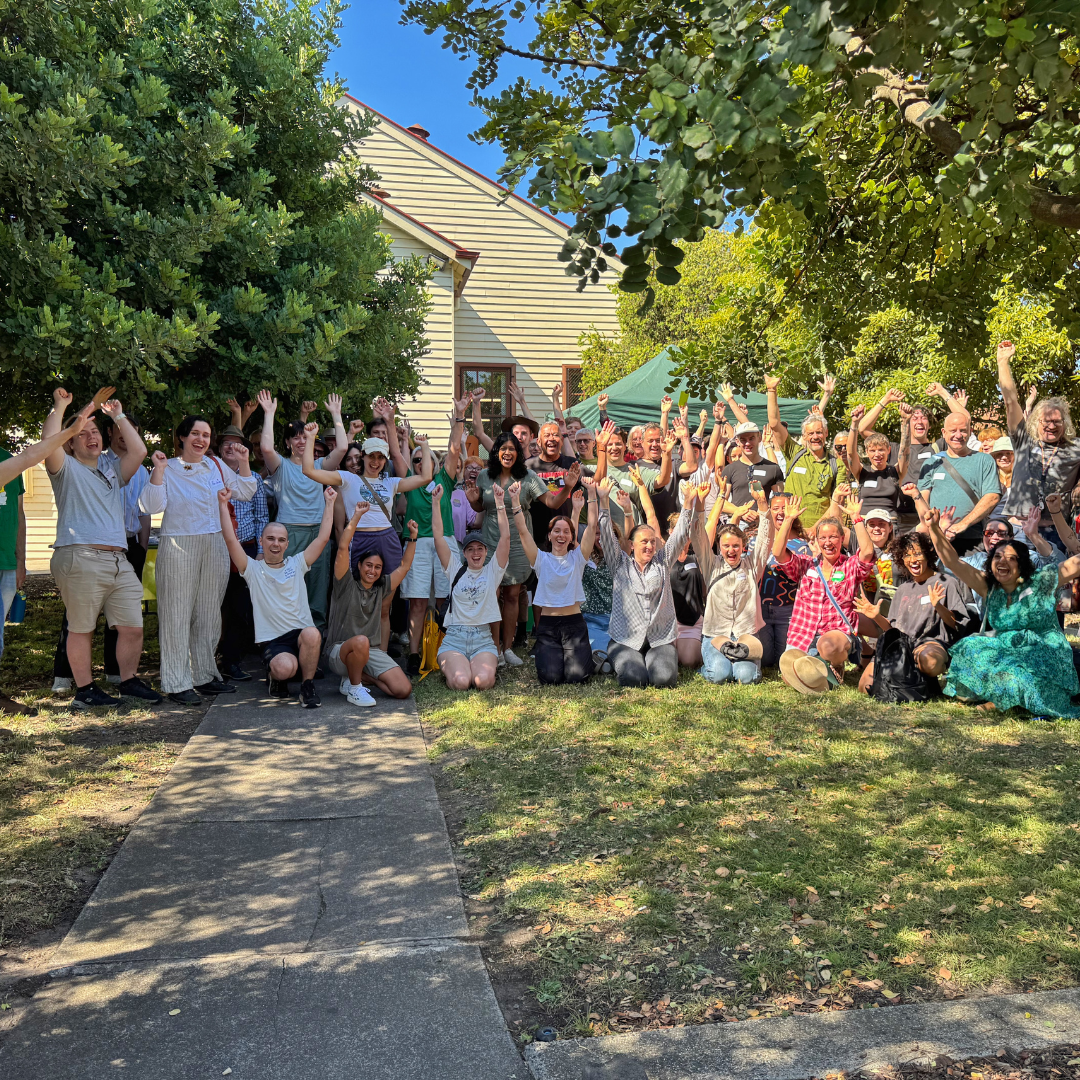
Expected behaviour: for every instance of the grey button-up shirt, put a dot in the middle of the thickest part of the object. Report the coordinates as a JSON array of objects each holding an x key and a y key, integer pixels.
[{"x": 642, "y": 609}]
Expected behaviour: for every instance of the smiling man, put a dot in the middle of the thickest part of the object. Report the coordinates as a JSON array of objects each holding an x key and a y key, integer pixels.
[{"x": 751, "y": 466}]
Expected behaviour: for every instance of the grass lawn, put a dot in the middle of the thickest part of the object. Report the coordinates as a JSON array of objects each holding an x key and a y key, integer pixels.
[
  {"x": 717, "y": 853},
  {"x": 71, "y": 783}
]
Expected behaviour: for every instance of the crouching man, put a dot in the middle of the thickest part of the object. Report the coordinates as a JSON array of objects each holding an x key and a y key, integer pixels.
[{"x": 284, "y": 628}]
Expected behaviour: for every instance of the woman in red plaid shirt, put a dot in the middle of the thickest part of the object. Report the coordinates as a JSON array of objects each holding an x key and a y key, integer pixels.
[{"x": 824, "y": 624}]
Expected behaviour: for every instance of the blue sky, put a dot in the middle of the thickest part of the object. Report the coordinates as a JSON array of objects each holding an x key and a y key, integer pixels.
[{"x": 406, "y": 75}]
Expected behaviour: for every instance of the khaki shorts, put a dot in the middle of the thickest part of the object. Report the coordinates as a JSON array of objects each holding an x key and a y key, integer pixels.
[
  {"x": 379, "y": 663},
  {"x": 91, "y": 581}
]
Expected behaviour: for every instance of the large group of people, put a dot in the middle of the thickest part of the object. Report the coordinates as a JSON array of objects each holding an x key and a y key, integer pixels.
[{"x": 728, "y": 550}]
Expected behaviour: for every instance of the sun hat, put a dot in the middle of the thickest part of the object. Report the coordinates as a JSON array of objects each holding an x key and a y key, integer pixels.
[
  {"x": 878, "y": 514},
  {"x": 233, "y": 432},
  {"x": 376, "y": 446},
  {"x": 807, "y": 674},
  {"x": 747, "y": 427},
  {"x": 474, "y": 537},
  {"x": 1001, "y": 445},
  {"x": 513, "y": 421}
]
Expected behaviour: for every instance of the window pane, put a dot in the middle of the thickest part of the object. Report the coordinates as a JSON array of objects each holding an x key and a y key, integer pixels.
[
  {"x": 572, "y": 390},
  {"x": 494, "y": 404}
]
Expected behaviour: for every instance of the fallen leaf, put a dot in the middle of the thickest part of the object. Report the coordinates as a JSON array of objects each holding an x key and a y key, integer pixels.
[
  {"x": 546, "y": 928},
  {"x": 876, "y": 925},
  {"x": 888, "y": 994},
  {"x": 174, "y": 1012},
  {"x": 951, "y": 871},
  {"x": 811, "y": 895},
  {"x": 948, "y": 910},
  {"x": 722, "y": 871},
  {"x": 944, "y": 973}
]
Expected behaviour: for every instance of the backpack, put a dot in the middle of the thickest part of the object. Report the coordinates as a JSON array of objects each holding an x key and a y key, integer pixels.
[
  {"x": 834, "y": 463},
  {"x": 897, "y": 678}
]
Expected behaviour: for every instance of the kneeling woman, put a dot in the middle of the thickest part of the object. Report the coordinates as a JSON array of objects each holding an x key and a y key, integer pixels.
[
  {"x": 563, "y": 653},
  {"x": 729, "y": 649},
  {"x": 1027, "y": 662},
  {"x": 928, "y": 606},
  {"x": 642, "y": 627},
  {"x": 354, "y": 633},
  {"x": 468, "y": 656}
]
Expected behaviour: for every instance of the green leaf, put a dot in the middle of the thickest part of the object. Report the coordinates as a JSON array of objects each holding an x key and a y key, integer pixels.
[
  {"x": 995, "y": 28},
  {"x": 623, "y": 137}
]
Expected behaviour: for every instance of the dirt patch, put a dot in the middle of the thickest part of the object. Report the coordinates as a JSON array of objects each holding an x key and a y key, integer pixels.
[{"x": 1062, "y": 1061}]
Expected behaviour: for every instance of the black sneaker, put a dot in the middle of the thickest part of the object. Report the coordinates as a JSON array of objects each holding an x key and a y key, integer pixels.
[
  {"x": 185, "y": 697},
  {"x": 235, "y": 672},
  {"x": 136, "y": 688},
  {"x": 216, "y": 686},
  {"x": 309, "y": 696},
  {"x": 90, "y": 697},
  {"x": 413, "y": 666},
  {"x": 521, "y": 637},
  {"x": 277, "y": 688}
]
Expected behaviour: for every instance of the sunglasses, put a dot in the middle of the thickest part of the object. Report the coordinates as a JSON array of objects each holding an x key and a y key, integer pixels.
[{"x": 995, "y": 532}]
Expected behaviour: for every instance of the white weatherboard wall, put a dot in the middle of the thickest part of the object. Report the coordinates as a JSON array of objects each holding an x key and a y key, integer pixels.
[{"x": 518, "y": 306}]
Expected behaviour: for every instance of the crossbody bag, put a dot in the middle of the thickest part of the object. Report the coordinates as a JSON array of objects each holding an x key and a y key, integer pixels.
[
  {"x": 374, "y": 494},
  {"x": 961, "y": 483},
  {"x": 440, "y": 619},
  {"x": 832, "y": 600}
]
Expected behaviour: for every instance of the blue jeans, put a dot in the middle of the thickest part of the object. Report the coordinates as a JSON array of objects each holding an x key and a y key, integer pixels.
[
  {"x": 7, "y": 594},
  {"x": 599, "y": 638},
  {"x": 718, "y": 668}
]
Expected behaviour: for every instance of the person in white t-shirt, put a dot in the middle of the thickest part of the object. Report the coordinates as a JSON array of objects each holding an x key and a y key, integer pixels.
[
  {"x": 563, "y": 653},
  {"x": 467, "y": 655},
  {"x": 372, "y": 487},
  {"x": 284, "y": 628}
]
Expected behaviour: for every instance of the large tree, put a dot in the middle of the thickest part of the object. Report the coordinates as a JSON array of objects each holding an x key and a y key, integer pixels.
[
  {"x": 179, "y": 215},
  {"x": 932, "y": 143}
]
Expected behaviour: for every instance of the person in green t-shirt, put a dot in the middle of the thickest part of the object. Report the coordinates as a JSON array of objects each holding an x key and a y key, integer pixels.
[
  {"x": 12, "y": 562},
  {"x": 813, "y": 472},
  {"x": 426, "y": 578}
]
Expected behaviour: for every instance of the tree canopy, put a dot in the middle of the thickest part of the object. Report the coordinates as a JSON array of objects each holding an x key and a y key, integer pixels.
[
  {"x": 180, "y": 215},
  {"x": 929, "y": 145}
]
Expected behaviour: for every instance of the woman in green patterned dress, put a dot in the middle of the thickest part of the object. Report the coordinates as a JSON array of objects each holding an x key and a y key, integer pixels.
[{"x": 1024, "y": 659}]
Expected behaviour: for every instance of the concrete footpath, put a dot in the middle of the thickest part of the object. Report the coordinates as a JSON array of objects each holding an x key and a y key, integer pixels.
[{"x": 286, "y": 906}]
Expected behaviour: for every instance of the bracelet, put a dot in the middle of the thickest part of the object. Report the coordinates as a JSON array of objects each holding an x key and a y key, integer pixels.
[
  {"x": 517, "y": 510},
  {"x": 118, "y": 417},
  {"x": 857, "y": 520},
  {"x": 459, "y": 419}
]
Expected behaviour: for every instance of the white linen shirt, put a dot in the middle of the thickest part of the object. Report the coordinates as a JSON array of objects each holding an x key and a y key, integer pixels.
[{"x": 188, "y": 496}]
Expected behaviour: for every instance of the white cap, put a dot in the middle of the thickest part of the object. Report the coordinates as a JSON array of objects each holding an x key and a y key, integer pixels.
[
  {"x": 377, "y": 446},
  {"x": 747, "y": 427},
  {"x": 1004, "y": 443}
]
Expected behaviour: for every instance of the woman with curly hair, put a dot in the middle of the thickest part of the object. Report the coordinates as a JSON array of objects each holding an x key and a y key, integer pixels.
[
  {"x": 930, "y": 607},
  {"x": 506, "y": 466}
]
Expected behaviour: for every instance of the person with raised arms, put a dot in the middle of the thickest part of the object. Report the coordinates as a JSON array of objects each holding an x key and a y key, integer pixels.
[
  {"x": 468, "y": 656},
  {"x": 562, "y": 652},
  {"x": 90, "y": 556},
  {"x": 284, "y": 629},
  {"x": 356, "y": 605}
]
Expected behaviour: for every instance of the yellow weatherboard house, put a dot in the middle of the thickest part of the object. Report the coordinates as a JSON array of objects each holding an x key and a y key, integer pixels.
[{"x": 503, "y": 308}]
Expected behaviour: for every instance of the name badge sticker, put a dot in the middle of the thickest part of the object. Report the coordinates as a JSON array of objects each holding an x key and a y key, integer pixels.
[
  {"x": 799, "y": 469},
  {"x": 760, "y": 472},
  {"x": 926, "y": 455},
  {"x": 1025, "y": 593},
  {"x": 869, "y": 483},
  {"x": 838, "y": 575},
  {"x": 939, "y": 476},
  {"x": 924, "y": 599}
]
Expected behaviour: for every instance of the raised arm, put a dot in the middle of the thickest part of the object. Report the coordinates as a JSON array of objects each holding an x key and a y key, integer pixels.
[
  {"x": 602, "y": 438},
  {"x": 1064, "y": 529},
  {"x": 727, "y": 392},
  {"x": 50, "y": 430},
  {"x": 341, "y": 446},
  {"x": 779, "y": 435},
  {"x": 320, "y": 476},
  {"x": 502, "y": 549},
  {"x": 518, "y": 396},
  {"x": 827, "y": 387},
  {"x": 554, "y": 499},
  {"x": 236, "y": 551},
  {"x": 401, "y": 466},
  {"x": 410, "y": 483},
  {"x": 442, "y": 548},
  {"x": 664, "y": 476},
  {"x": 612, "y": 549},
  {"x": 49, "y": 444},
  {"x": 135, "y": 453},
  {"x": 341, "y": 559},
  {"x": 871, "y": 416},
  {"x": 853, "y": 461},
  {"x": 678, "y": 425},
  {"x": 478, "y": 420},
  {"x": 765, "y": 531},
  {"x": 853, "y": 509},
  {"x": 647, "y": 507},
  {"x": 665, "y": 412},
  {"x": 715, "y": 438},
  {"x": 1014, "y": 413},
  {"x": 955, "y": 404},
  {"x": 326, "y": 526},
  {"x": 904, "y": 453},
  {"x": 398, "y": 576},
  {"x": 971, "y": 577},
  {"x": 266, "y": 437},
  {"x": 528, "y": 545},
  {"x": 792, "y": 512},
  {"x": 588, "y": 537}
]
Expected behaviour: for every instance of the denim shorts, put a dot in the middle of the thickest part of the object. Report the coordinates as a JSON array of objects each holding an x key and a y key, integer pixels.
[{"x": 469, "y": 641}]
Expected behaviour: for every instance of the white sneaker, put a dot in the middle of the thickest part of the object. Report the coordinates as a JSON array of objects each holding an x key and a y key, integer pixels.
[
  {"x": 59, "y": 684},
  {"x": 345, "y": 686},
  {"x": 512, "y": 658},
  {"x": 358, "y": 695}
]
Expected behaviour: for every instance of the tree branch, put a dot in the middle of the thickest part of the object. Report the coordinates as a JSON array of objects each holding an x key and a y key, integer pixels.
[
  {"x": 567, "y": 60},
  {"x": 909, "y": 99}
]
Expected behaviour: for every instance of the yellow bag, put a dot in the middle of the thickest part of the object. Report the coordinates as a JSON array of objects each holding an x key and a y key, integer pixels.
[{"x": 429, "y": 644}]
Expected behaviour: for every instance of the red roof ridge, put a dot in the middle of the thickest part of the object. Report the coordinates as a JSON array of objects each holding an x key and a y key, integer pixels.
[
  {"x": 469, "y": 168},
  {"x": 461, "y": 252}
]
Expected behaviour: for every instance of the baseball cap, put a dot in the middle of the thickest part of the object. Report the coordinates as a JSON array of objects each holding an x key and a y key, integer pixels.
[
  {"x": 878, "y": 514},
  {"x": 474, "y": 537},
  {"x": 376, "y": 446},
  {"x": 747, "y": 427},
  {"x": 1004, "y": 443}
]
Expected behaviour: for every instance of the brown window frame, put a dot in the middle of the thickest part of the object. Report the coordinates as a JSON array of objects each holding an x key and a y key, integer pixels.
[
  {"x": 508, "y": 370},
  {"x": 568, "y": 405}
]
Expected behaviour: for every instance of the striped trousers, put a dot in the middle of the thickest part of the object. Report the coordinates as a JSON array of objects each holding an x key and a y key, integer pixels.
[{"x": 192, "y": 575}]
